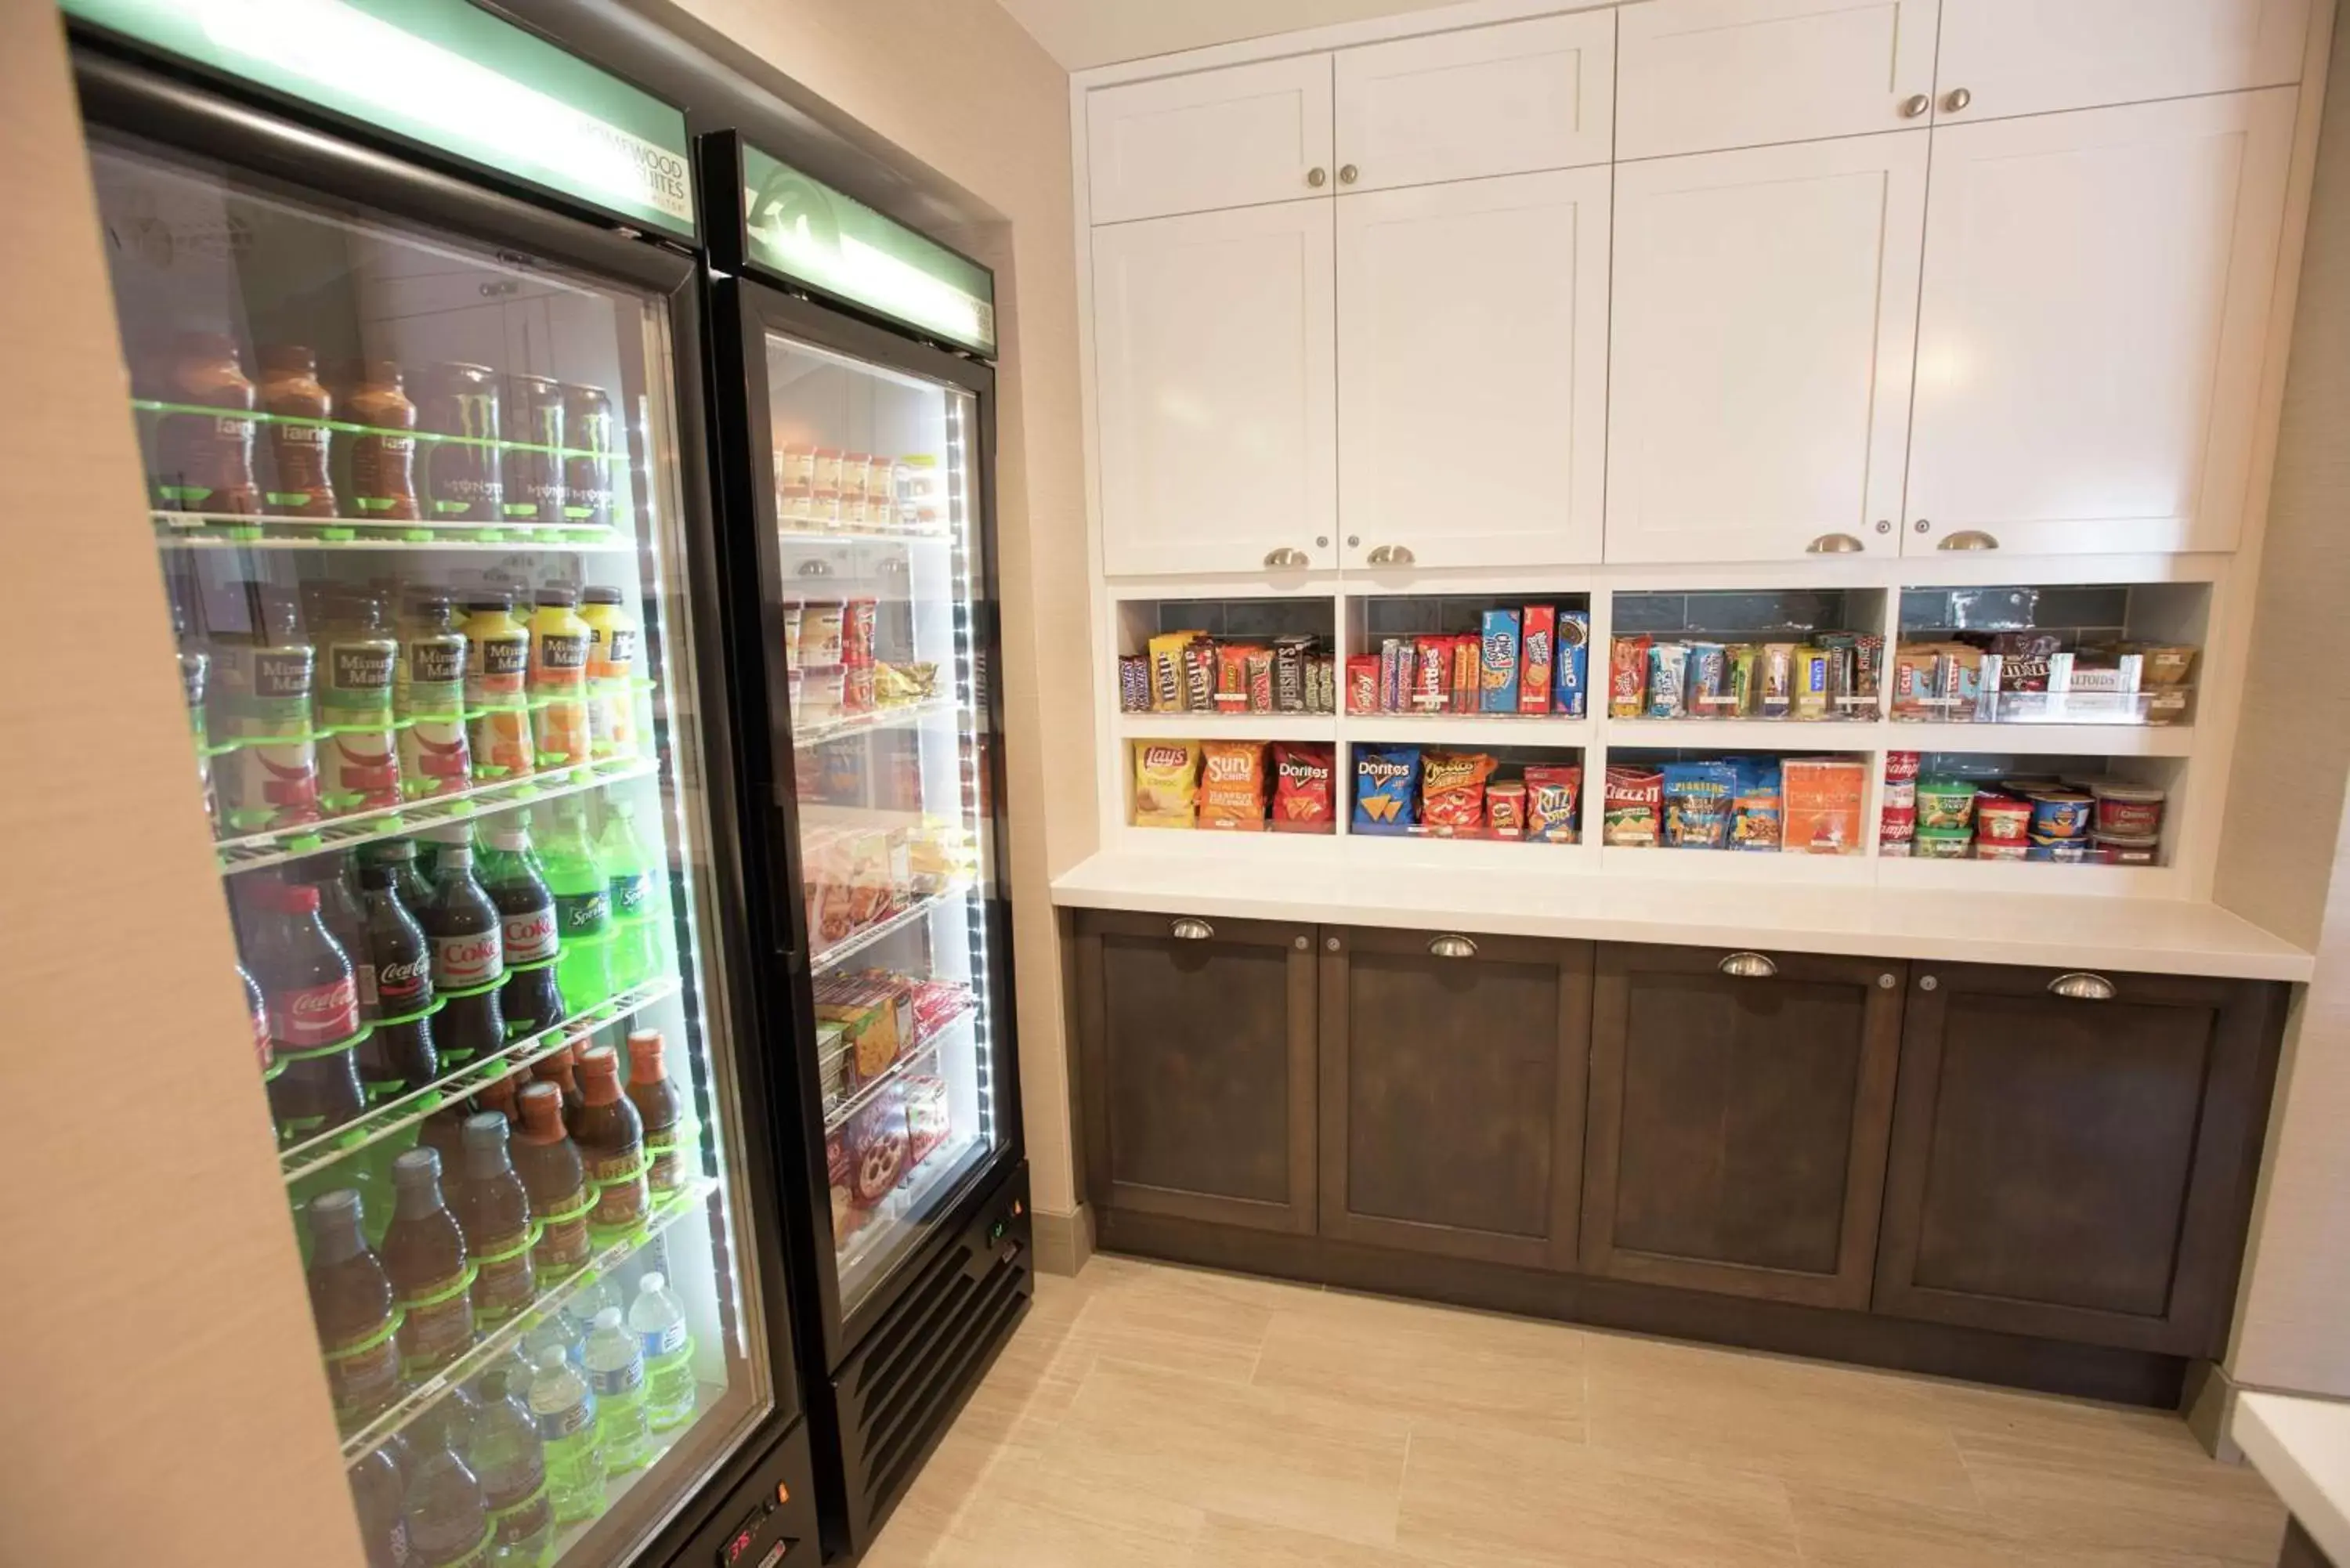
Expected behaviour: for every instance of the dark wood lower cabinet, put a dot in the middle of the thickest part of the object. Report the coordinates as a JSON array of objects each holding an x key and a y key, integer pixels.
[
  {"x": 2073, "y": 1169},
  {"x": 1739, "y": 1108},
  {"x": 1197, "y": 1068},
  {"x": 1452, "y": 1083}
]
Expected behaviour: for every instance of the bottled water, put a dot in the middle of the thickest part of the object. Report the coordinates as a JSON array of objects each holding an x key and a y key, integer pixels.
[
  {"x": 658, "y": 1320},
  {"x": 511, "y": 1464},
  {"x": 616, "y": 1371},
  {"x": 565, "y": 1412},
  {"x": 558, "y": 1330}
]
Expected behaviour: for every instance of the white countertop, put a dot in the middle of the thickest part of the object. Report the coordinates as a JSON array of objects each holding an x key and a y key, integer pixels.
[
  {"x": 2302, "y": 1448},
  {"x": 2052, "y": 930}
]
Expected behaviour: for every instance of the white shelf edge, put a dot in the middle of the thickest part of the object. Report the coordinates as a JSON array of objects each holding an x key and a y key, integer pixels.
[
  {"x": 1228, "y": 726},
  {"x": 1746, "y": 735},
  {"x": 2043, "y": 739},
  {"x": 1493, "y": 729}
]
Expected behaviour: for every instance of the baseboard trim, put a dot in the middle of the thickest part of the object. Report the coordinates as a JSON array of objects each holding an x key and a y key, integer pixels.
[
  {"x": 1064, "y": 1241},
  {"x": 2086, "y": 1371},
  {"x": 2207, "y": 1402}
]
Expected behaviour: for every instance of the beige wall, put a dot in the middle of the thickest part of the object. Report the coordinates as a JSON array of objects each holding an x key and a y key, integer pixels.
[
  {"x": 956, "y": 85},
  {"x": 160, "y": 1378},
  {"x": 2284, "y": 859}
]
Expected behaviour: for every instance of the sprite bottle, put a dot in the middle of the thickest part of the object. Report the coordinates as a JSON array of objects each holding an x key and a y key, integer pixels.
[
  {"x": 582, "y": 909},
  {"x": 637, "y": 883}
]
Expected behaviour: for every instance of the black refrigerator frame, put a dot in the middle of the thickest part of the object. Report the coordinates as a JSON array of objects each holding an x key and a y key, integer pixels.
[
  {"x": 758, "y": 1497},
  {"x": 887, "y": 1378}
]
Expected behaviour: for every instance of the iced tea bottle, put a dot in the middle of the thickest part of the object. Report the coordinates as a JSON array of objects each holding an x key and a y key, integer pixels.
[
  {"x": 663, "y": 1111},
  {"x": 558, "y": 1070},
  {"x": 556, "y": 1181},
  {"x": 424, "y": 1251},
  {"x": 494, "y": 1213},
  {"x": 351, "y": 1302},
  {"x": 611, "y": 1139}
]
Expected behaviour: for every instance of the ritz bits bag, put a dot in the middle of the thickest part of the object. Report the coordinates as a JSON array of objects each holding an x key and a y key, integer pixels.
[
  {"x": 1166, "y": 782},
  {"x": 1232, "y": 785}
]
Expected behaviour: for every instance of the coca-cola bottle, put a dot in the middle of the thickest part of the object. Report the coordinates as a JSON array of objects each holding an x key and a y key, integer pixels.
[
  {"x": 532, "y": 999},
  {"x": 468, "y": 960},
  {"x": 338, "y": 909},
  {"x": 398, "y": 1055},
  {"x": 399, "y": 856},
  {"x": 313, "y": 1003},
  {"x": 258, "y": 1012}
]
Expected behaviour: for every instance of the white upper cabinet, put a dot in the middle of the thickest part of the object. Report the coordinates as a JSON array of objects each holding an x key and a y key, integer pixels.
[
  {"x": 1764, "y": 307},
  {"x": 2001, "y": 57},
  {"x": 1503, "y": 99},
  {"x": 1230, "y": 138},
  {"x": 1472, "y": 372},
  {"x": 2095, "y": 310},
  {"x": 1214, "y": 388},
  {"x": 1693, "y": 76}
]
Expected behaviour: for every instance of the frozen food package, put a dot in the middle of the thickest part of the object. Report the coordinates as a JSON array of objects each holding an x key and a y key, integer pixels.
[
  {"x": 1696, "y": 805},
  {"x": 1821, "y": 809},
  {"x": 1303, "y": 777},
  {"x": 1166, "y": 782},
  {"x": 1453, "y": 791},
  {"x": 1628, "y": 676},
  {"x": 1232, "y": 785},
  {"x": 1386, "y": 788},
  {"x": 1554, "y": 797},
  {"x": 1632, "y": 808},
  {"x": 1539, "y": 638},
  {"x": 1571, "y": 656},
  {"x": 1497, "y": 681}
]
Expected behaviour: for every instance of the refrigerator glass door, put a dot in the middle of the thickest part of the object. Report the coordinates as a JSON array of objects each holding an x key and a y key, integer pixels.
[
  {"x": 417, "y": 506},
  {"x": 879, "y": 556}
]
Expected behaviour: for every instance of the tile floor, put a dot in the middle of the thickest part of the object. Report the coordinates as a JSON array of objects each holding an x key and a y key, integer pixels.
[{"x": 1166, "y": 1418}]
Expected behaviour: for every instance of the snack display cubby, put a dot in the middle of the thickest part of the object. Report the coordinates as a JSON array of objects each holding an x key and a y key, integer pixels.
[{"x": 1861, "y": 629}]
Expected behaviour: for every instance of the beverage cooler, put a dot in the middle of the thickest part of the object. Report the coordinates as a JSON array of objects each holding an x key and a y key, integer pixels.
[
  {"x": 419, "y": 399},
  {"x": 856, "y": 408}
]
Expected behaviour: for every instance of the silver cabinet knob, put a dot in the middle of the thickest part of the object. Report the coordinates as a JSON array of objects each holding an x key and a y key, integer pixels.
[
  {"x": 1957, "y": 99},
  {"x": 1921, "y": 526},
  {"x": 1316, "y": 177},
  {"x": 1347, "y": 173},
  {"x": 1321, "y": 541},
  {"x": 1885, "y": 983},
  {"x": 1928, "y": 983},
  {"x": 1451, "y": 947},
  {"x": 1301, "y": 944},
  {"x": 1190, "y": 929},
  {"x": 1916, "y": 104},
  {"x": 1748, "y": 966},
  {"x": 1835, "y": 545},
  {"x": 1331, "y": 943},
  {"x": 2082, "y": 987},
  {"x": 1884, "y": 526},
  {"x": 1388, "y": 555},
  {"x": 1353, "y": 540},
  {"x": 1287, "y": 555},
  {"x": 1969, "y": 539}
]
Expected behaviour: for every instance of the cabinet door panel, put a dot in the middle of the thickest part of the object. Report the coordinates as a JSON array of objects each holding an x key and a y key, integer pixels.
[
  {"x": 1452, "y": 1095},
  {"x": 1197, "y": 1069},
  {"x": 1694, "y": 76},
  {"x": 2074, "y": 1169},
  {"x": 1209, "y": 139},
  {"x": 1738, "y": 1126},
  {"x": 1504, "y": 99},
  {"x": 1763, "y": 309},
  {"x": 1216, "y": 389},
  {"x": 2033, "y": 57},
  {"x": 2095, "y": 310},
  {"x": 1473, "y": 363}
]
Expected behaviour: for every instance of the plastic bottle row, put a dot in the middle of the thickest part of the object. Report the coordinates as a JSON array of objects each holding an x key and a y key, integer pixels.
[{"x": 370, "y": 974}]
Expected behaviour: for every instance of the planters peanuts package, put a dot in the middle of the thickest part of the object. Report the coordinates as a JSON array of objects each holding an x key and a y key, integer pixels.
[
  {"x": 1698, "y": 806},
  {"x": 1571, "y": 664},
  {"x": 1386, "y": 788},
  {"x": 1497, "y": 676}
]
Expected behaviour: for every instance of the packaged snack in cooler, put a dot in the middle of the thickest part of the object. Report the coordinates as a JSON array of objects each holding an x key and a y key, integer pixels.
[
  {"x": 1633, "y": 807},
  {"x": 1540, "y": 638},
  {"x": 1667, "y": 680},
  {"x": 876, "y": 1018},
  {"x": 2060, "y": 814},
  {"x": 1742, "y": 660},
  {"x": 823, "y": 694},
  {"x": 1696, "y": 805},
  {"x": 902, "y": 685},
  {"x": 1944, "y": 843},
  {"x": 927, "y": 1123},
  {"x": 936, "y": 1005},
  {"x": 832, "y": 1063},
  {"x": 1134, "y": 684},
  {"x": 1167, "y": 670},
  {"x": 1232, "y": 678},
  {"x": 1810, "y": 677},
  {"x": 1497, "y": 679},
  {"x": 1505, "y": 809},
  {"x": 857, "y": 619},
  {"x": 1166, "y": 778},
  {"x": 2127, "y": 810},
  {"x": 1945, "y": 803},
  {"x": 793, "y": 615},
  {"x": 820, "y": 640},
  {"x": 841, "y": 1175},
  {"x": 1754, "y": 807},
  {"x": 1302, "y": 777},
  {"x": 1199, "y": 677},
  {"x": 1260, "y": 680},
  {"x": 1386, "y": 788},
  {"x": 1453, "y": 791},
  {"x": 856, "y": 695},
  {"x": 1628, "y": 676},
  {"x": 1778, "y": 679},
  {"x": 1432, "y": 676},
  {"x": 1707, "y": 679},
  {"x": 1363, "y": 683},
  {"x": 1821, "y": 810},
  {"x": 876, "y": 1147},
  {"x": 1572, "y": 657},
  {"x": 1289, "y": 676},
  {"x": 1231, "y": 785},
  {"x": 2002, "y": 819},
  {"x": 1553, "y": 803}
]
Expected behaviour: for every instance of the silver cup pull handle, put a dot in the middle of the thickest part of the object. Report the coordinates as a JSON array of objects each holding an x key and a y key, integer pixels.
[
  {"x": 1748, "y": 966},
  {"x": 1835, "y": 545},
  {"x": 1190, "y": 929},
  {"x": 1388, "y": 555},
  {"x": 1286, "y": 556},
  {"x": 1451, "y": 947},
  {"x": 2082, "y": 986},
  {"x": 1969, "y": 539}
]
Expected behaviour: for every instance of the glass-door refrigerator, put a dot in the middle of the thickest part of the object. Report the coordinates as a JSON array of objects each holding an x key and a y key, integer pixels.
[
  {"x": 418, "y": 394},
  {"x": 856, "y": 406}
]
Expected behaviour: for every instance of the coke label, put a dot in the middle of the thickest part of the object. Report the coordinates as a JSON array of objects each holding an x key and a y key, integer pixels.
[
  {"x": 404, "y": 988},
  {"x": 473, "y": 958},
  {"x": 306, "y": 1017},
  {"x": 530, "y": 936}
]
